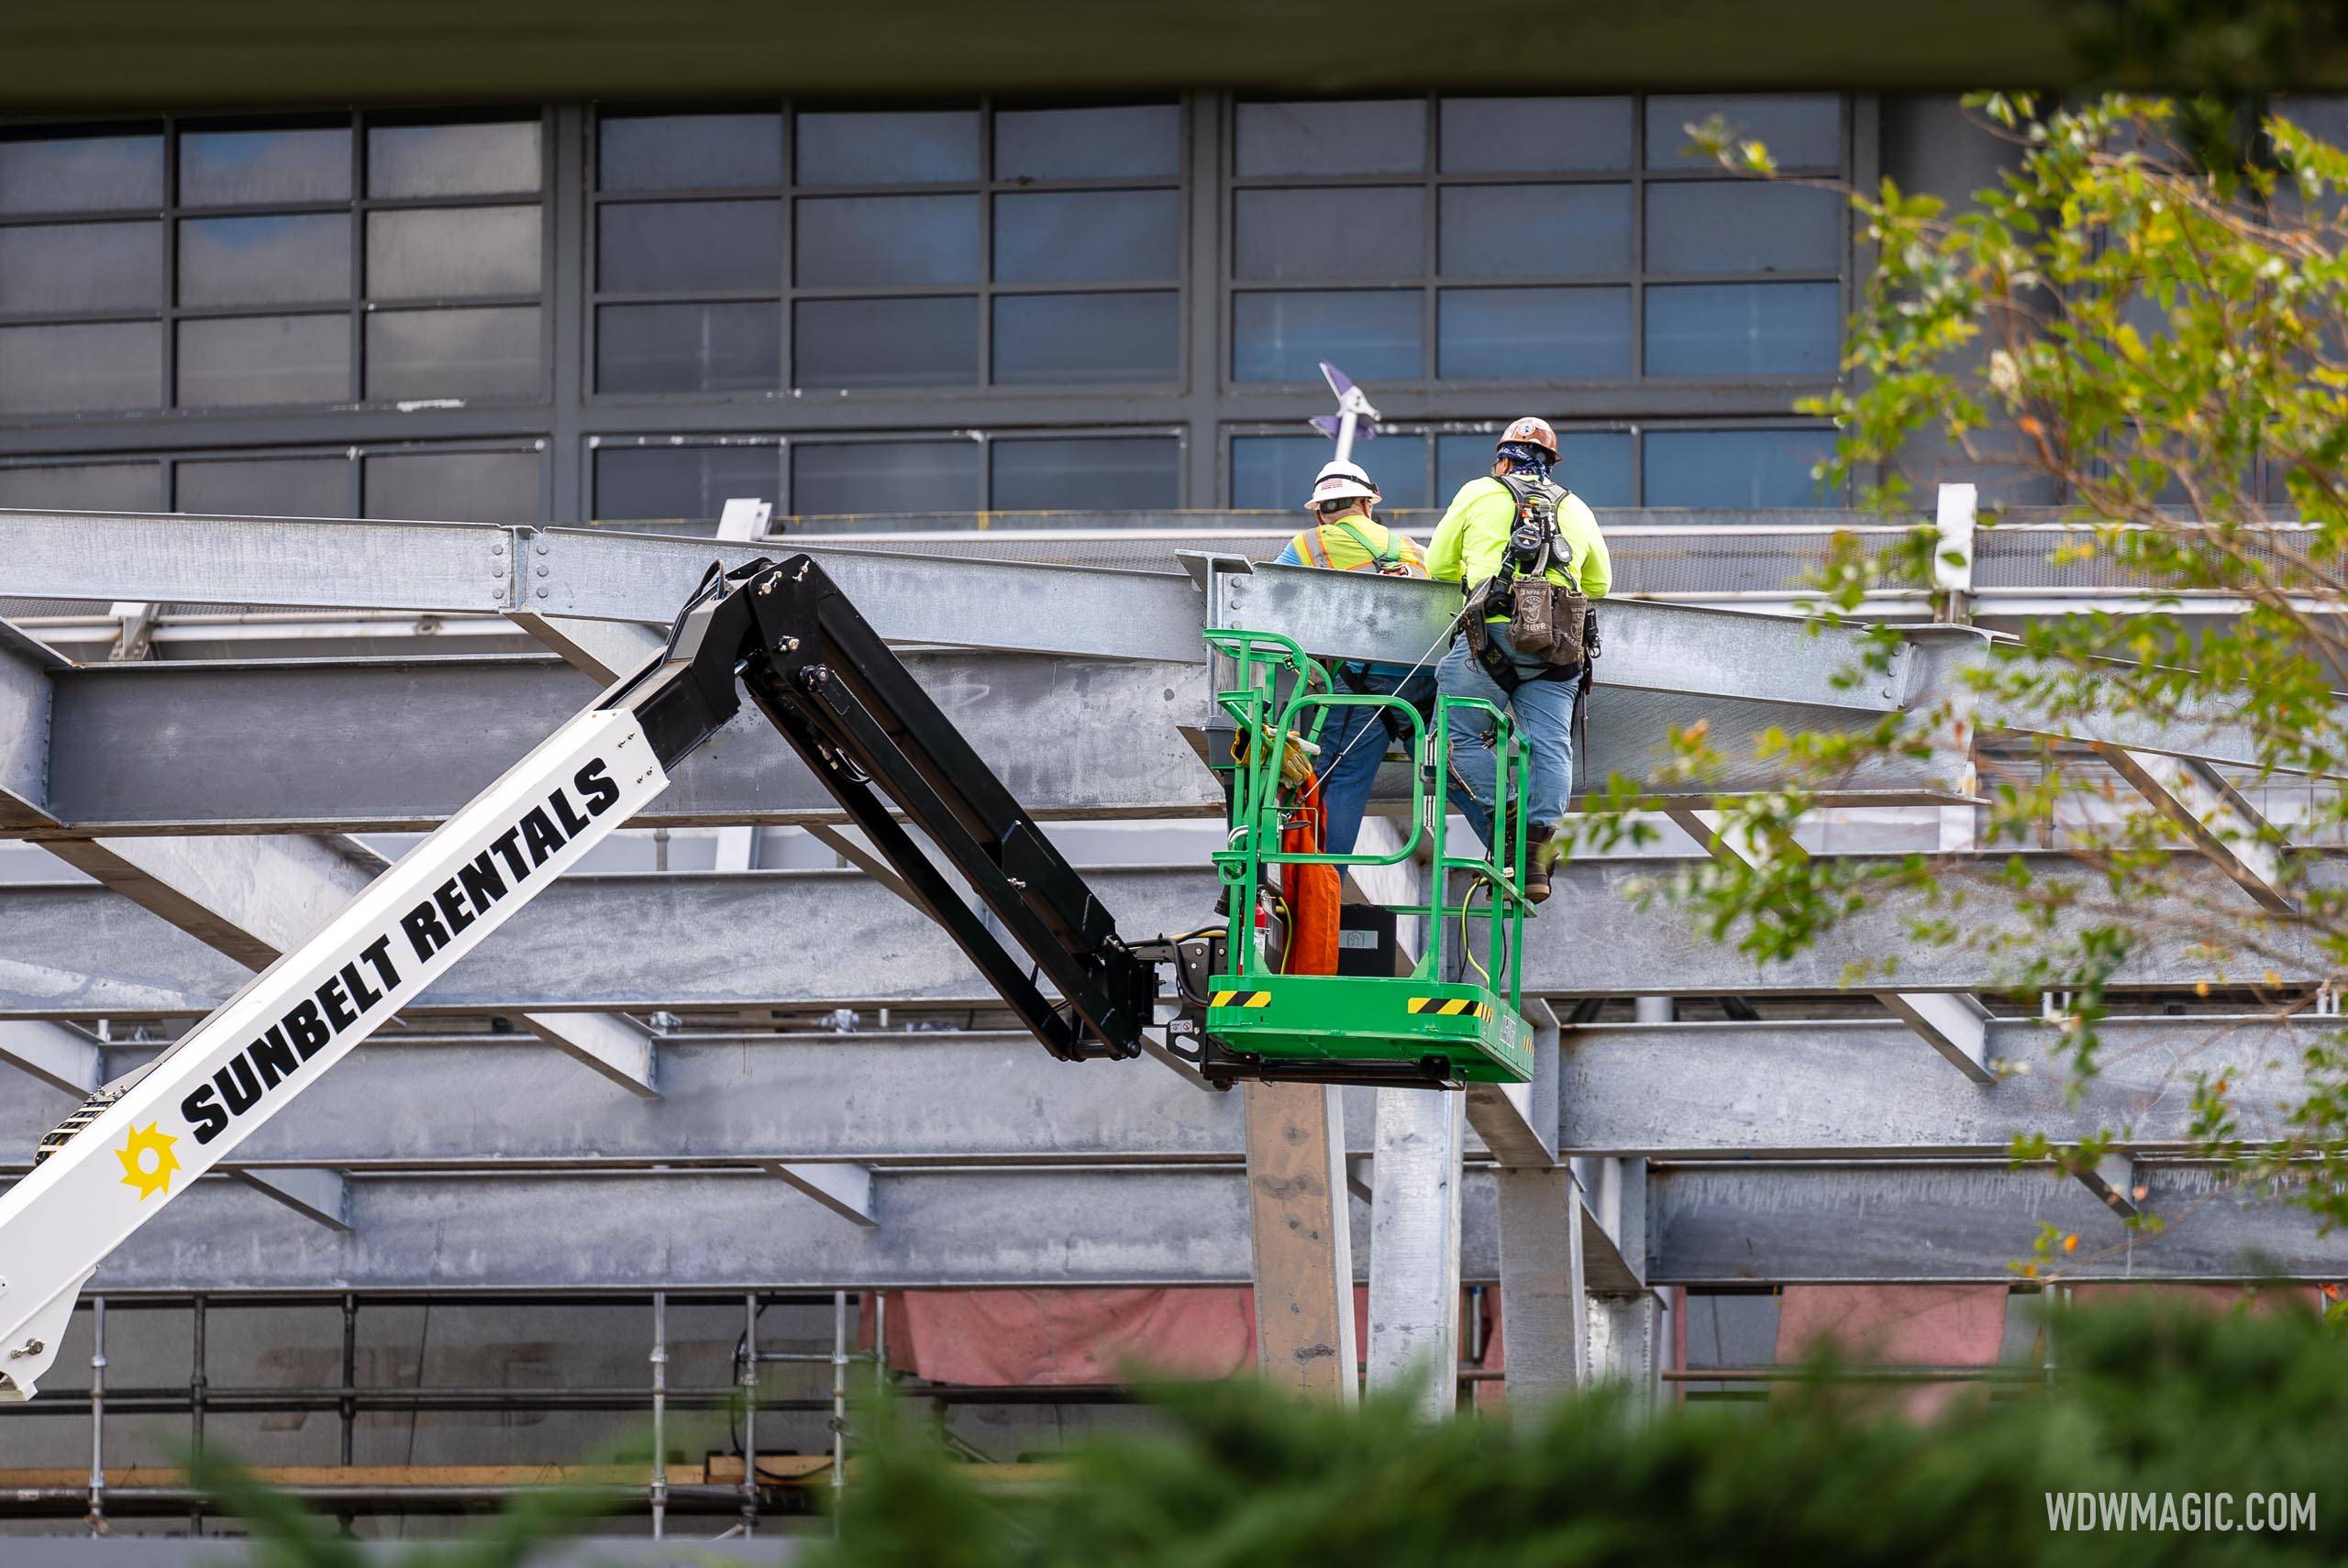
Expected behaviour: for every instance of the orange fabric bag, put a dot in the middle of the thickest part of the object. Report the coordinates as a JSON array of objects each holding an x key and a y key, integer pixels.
[{"x": 1313, "y": 892}]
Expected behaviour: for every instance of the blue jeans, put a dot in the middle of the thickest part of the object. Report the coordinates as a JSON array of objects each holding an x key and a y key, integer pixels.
[
  {"x": 1544, "y": 712},
  {"x": 1350, "y": 752}
]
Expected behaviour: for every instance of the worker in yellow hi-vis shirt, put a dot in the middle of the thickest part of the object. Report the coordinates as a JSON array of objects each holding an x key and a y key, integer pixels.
[
  {"x": 1343, "y": 536},
  {"x": 1519, "y": 506}
]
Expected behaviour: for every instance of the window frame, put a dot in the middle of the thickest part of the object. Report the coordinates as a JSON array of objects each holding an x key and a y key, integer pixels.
[
  {"x": 354, "y": 305},
  {"x": 1433, "y": 283},
  {"x": 1428, "y": 431},
  {"x": 789, "y": 292}
]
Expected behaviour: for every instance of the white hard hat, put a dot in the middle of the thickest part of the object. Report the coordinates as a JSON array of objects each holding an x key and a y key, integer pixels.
[{"x": 1340, "y": 481}]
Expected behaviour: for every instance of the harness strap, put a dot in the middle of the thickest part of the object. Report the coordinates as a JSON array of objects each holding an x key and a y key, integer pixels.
[{"x": 1392, "y": 556}]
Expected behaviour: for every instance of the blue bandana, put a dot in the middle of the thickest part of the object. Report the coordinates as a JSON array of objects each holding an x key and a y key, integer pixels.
[{"x": 1530, "y": 461}]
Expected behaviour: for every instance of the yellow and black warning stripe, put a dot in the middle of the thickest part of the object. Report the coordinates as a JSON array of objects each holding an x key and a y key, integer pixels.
[
  {"x": 1232, "y": 998},
  {"x": 1450, "y": 1007}
]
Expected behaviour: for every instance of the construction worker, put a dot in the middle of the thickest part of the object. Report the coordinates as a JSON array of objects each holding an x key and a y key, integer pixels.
[
  {"x": 1470, "y": 547},
  {"x": 1343, "y": 536}
]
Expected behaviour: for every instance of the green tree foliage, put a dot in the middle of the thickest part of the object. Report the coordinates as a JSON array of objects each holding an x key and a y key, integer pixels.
[
  {"x": 2191, "y": 1403},
  {"x": 2147, "y": 317}
]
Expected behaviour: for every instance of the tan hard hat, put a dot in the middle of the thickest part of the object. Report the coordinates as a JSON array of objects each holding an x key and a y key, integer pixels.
[{"x": 1533, "y": 432}]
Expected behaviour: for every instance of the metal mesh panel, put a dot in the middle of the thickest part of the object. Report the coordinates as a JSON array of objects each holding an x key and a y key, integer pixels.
[{"x": 2025, "y": 558}]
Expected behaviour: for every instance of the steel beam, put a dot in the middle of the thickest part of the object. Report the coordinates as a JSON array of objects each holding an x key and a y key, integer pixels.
[
  {"x": 1859, "y": 1089},
  {"x": 735, "y": 1231},
  {"x": 727, "y": 1232},
  {"x": 680, "y": 941},
  {"x": 1544, "y": 1296},
  {"x": 388, "y": 746},
  {"x": 705, "y": 942},
  {"x": 255, "y": 897},
  {"x": 28, "y": 671},
  {"x": 326, "y": 563},
  {"x": 1415, "y": 1257},
  {"x": 1841, "y": 1224},
  {"x": 605, "y": 575},
  {"x": 1619, "y": 948},
  {"x": 1951, "y": 1023},
  {"x": 496, "y": 1102},
  {"x": 2215, "y": 816},
  {"x": 317, "y": 1193},
  {"x": 845, "y": 1189},
  {"x": 65, "y": 1058},
  {"x": 1648, "y": 647}
]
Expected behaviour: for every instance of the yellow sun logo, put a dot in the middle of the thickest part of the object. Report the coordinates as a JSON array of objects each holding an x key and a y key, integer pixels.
[{"x": 147, "y": 1162}]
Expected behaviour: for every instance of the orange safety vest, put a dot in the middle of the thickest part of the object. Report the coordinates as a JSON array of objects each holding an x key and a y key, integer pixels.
[{"x": 1399, "y": 559}]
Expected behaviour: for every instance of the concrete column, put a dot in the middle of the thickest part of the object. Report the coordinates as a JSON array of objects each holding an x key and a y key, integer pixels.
[
  {"x": 1543, "y": 1314},
  {"x": 1302, "y": 1239},
  {"x": 1414, "y": 1247}
]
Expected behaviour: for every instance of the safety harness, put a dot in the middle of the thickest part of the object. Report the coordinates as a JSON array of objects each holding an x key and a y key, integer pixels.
[{"x": 1551, "y": 621}]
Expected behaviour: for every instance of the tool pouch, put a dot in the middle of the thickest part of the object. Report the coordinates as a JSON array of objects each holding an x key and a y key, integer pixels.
[{"x": 1548, "y": 621}]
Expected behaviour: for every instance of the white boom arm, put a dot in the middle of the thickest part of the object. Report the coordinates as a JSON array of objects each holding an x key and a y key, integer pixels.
[{"x": 294, "y": 1020}]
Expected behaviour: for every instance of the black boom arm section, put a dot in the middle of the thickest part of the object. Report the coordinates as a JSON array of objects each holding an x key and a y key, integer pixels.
[{"x": 787, "y": 634}]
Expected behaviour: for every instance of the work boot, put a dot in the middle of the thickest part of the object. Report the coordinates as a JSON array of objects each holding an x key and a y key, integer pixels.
[{"x": 1536, "y": 861}]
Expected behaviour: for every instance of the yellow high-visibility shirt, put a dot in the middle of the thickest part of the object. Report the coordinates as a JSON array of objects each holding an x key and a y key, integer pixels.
[
  {"x": 1329, "y": 544},
  {"x": 1472, "y": 538}
]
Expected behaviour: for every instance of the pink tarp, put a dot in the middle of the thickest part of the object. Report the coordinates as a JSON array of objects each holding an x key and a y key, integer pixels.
[
  {"x": 1897, "y": 1325},
  {"x": 998, "y": 1339}
]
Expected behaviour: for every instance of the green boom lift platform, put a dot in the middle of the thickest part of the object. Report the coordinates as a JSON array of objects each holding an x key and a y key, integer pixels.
[{"x": 1457, "y": 1016}]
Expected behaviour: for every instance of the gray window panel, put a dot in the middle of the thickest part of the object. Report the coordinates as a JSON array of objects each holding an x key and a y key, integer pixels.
[
  {"x": 1127, "y": 141},
  {"x": 80, "y": 174},
  {"x": 1379, "y": 136},
  {"x": 453, "y": 353},
  {"x": 57, "y": 268},
  {"x": 683, "y": 484},
  {"x": 241, "y": 362},
  {"x": 279, "y": 259},
  {"x": 689, "y": 348},
  {"x": 1802, "y": 130},
  {"x": 1127, "y": 473},
  {"x": 84, "y": 487},
  {"x": 1744, "y": 329},
  {"x": 1735, "y": 468},
  {"x": 675, "y": 152},
  {"x": 1594, "y": 464},
  {"x": 886, "y": 343},
  {"x": 1079, "y": 339},
  {"x": 858, "y": 241},
  {"x": 837, "y": 478},
  {"x": 66, "y": 370},
  {"x": 1274, "y": 473},
  {"x": 1353, "y": 232},
  {"x": 227, "y": 168},
  {"x": 643, "y": 247},
  {"x": 1530, "y": 231},
  {"x": 1743, "y": 225},
  {"x": 453, "y": 160},
  {"x": 267, "y": 487},
  {"x": 442, "y": 253},
  {"x": 1533, "y": 334},
  {"x": 1535, "y": 136},
  {"x": 916, "y": 147},
  {"x": 1371, "y": 334},
  {"x": 1088, "y": 237},
  {"x": 453, "y": 487}
]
